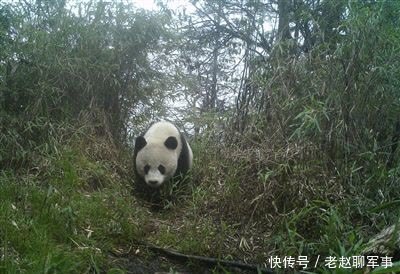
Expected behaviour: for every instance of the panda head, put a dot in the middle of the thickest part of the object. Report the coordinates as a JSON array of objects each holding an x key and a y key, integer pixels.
[{"x": 156, "y": 162}]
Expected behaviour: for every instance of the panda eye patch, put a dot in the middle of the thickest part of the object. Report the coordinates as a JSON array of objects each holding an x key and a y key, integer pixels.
[
  {"x": 161, "y": 168},
  {"x": 146, "y": 169}
]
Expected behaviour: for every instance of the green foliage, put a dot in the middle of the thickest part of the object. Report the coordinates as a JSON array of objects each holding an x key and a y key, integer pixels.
[
  {"x": 61, "y": 60},
  {"x": 65, "y": 218},
  {"x": 341, "y": 95},
  {"x": 305, "y": 165}
]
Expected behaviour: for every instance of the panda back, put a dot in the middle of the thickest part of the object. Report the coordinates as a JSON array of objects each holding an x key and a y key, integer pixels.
[{"x": 160, "y": 131}]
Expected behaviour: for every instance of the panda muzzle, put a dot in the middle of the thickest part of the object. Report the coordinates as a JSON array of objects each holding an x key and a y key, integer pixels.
[{"x": 153, "y": 183}]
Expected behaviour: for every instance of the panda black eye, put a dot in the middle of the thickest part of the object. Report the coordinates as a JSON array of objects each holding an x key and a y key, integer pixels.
[
  {"x": 146, "y": 169},
  {"x": 161, "y": 168}
]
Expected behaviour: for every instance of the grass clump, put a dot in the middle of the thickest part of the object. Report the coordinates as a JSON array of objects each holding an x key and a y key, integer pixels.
[{"x": 68, "y": 217}]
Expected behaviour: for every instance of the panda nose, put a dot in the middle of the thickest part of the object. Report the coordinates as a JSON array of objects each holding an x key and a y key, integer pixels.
[{"x": 153, "y": 182}]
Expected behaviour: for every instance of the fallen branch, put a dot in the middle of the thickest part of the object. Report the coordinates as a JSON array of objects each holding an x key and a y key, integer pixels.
[{"x": 205, "y": 260}]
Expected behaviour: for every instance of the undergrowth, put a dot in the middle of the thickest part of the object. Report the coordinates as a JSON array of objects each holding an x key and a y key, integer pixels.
[
  {"x": 74, "y": 207},
  {"x": 69, "y": 209}
]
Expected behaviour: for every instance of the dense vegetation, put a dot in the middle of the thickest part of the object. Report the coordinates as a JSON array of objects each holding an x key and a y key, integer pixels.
[{"x": 291, "y": 107}]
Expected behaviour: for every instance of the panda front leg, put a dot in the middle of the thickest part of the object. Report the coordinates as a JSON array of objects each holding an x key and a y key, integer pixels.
[
  {"x": 155, "y": 199},
  {"x": 149, "y": 195}
]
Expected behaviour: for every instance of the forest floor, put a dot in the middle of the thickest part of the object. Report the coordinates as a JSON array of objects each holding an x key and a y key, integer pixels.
[{"x": 74, "y": 210}]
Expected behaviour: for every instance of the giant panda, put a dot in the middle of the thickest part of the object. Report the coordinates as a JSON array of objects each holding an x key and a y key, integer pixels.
[{"x": 161, "y": 154}]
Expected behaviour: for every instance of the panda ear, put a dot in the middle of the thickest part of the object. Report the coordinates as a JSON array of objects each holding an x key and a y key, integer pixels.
[
  {"x": 171, "y": 142},
  {"x": 140, "y": 143}
]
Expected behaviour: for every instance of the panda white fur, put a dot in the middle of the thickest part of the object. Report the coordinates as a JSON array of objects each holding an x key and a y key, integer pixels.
[{"x": 161, "y": 154}]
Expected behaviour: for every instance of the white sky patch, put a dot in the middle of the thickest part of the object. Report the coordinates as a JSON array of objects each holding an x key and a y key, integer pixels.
[
  {"x": 145, "y": 4},
  {"x": 172, "y": 4}
]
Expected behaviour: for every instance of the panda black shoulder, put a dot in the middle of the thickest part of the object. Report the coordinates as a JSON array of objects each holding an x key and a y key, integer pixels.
[{"x": 184, "y": 161}]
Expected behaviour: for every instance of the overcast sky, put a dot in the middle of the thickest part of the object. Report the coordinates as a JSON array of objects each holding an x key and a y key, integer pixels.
[
  {"x": 151, "y": 5},
  {"x": 145, "y": 4}
]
